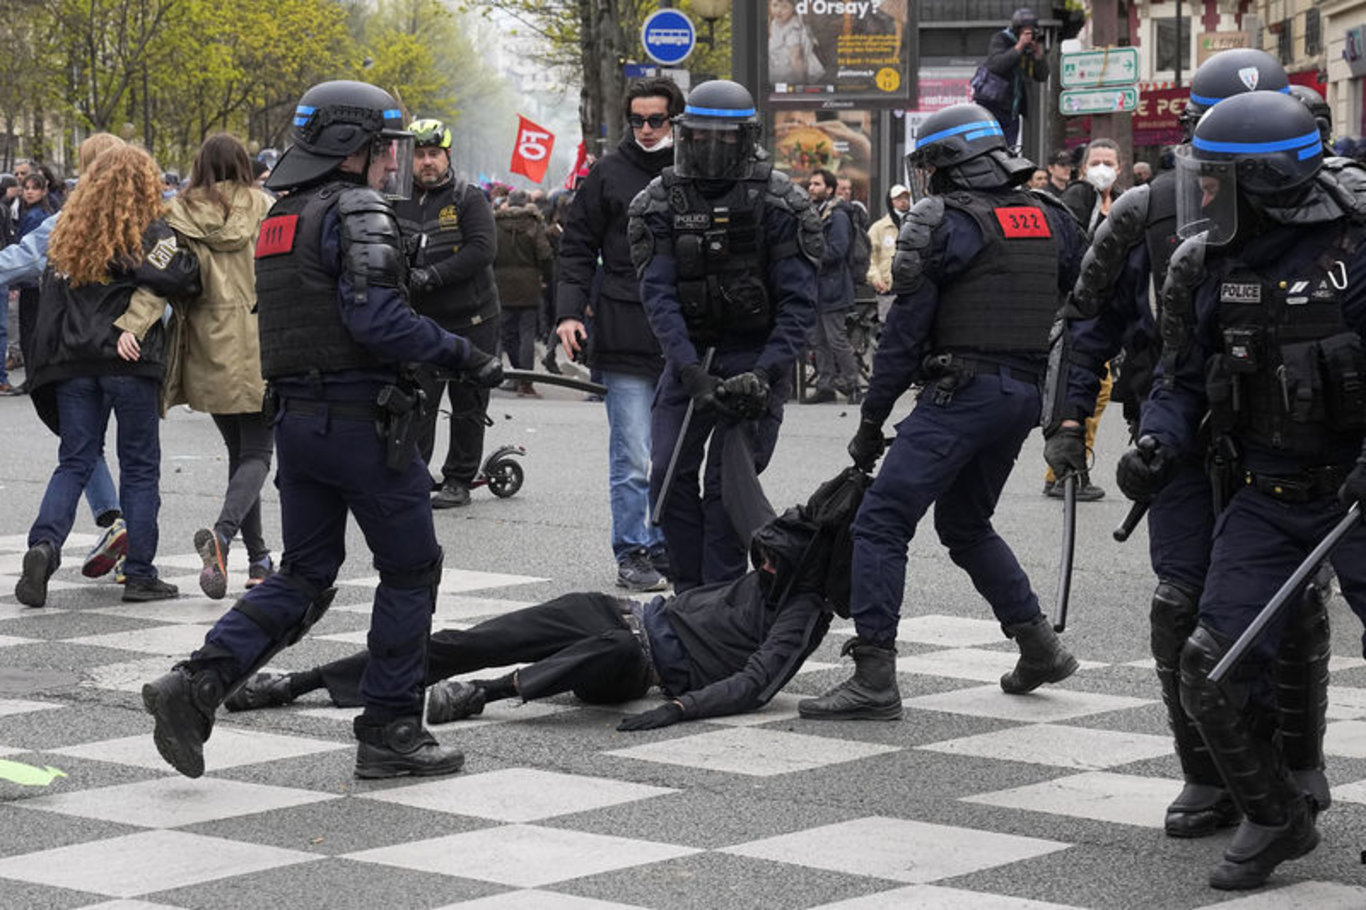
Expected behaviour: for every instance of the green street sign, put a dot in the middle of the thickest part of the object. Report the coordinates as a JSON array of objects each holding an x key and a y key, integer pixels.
[
  {"x": 1119, "y": 100},
  {"x": 1107, "y": 66}
]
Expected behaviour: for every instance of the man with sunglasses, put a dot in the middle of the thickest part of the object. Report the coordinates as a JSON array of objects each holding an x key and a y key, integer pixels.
[{"x": 624, "y": 348}]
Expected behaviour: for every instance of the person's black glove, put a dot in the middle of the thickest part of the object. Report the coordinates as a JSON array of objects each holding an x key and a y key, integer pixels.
[
  {"x": 746, "y": 395},
  {"x": 421, "y": 280},
  {"x": 665, "y": 715},
  {"x": 867, "y": 445},
  {"x": 482, "y": 369},
  {"x": 1065, "y": 451},
  {"x": 1353, "y": 489},
  {"x": 1145, "y": 470},
  {"x": 700, "y": 384}
]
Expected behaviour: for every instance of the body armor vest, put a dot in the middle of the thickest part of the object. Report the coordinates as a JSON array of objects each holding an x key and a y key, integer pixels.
[
  {"x": 300, "y": 317},
  {"x": 1008, "y": 298},
  {"x": 1289, "y": 374},
  {"x": 722, "y": 263}
]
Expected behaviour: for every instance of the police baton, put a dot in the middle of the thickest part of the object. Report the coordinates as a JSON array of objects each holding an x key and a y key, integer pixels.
[
  {"x": 1069, "y": 543},
  {"x": 1292, "y": 586},
  {"x": 1126, "y": 527},
  {"x": 658, "y": 512}
]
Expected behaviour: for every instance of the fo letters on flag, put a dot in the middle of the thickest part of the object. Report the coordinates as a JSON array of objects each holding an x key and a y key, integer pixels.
[{"x": 531, "y": 151}]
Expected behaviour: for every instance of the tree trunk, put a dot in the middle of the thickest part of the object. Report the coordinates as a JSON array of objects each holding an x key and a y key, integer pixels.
[{"x": 602, "y": 48}]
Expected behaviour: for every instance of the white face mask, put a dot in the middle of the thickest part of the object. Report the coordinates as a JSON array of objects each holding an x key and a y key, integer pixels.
[
  {"x": 1101, "y": 176},
  {"x": 666, "y": 143}
]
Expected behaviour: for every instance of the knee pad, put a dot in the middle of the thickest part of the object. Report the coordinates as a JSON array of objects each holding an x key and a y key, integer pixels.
[
  {"x": 409, "y": 577},
  {"x": 1203, "y": 700},
  {"x": 281, "y": 635},
  {"x": 1172, "y": 620}
]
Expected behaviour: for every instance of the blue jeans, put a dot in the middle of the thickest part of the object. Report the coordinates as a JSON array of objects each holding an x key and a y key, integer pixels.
[
  {"x": 628, "y": 402},
  {"x": 83, "y": 406}
]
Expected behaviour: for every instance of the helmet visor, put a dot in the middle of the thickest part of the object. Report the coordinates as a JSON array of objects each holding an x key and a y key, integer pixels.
[
  {"x": 712, "y": 151},
  {"x": 393, "y": 152},
  {"x": 1206, "y": 197}
]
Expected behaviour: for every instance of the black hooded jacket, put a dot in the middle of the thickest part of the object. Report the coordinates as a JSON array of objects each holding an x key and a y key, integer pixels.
[{"x": 622, "y": 339}]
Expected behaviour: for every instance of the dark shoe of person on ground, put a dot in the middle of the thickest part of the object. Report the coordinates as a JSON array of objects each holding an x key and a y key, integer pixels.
[
  {"x": 820, "y": 396},
  {"x": 659, "y": 559},
  {"x": 1043, "y": 659},
  {"x": 1086, "y": 490},
  {"x": 1256, "y": 850},
  {"x": 112, "y": 545},
  {"x": 402, "y": 748},
  {"x": 259, "y": 571},
  {"x": 213, "y": 578},
  {"x": 183, "y": 705},
  {"x": 40, "y": 562},
  {"x": 635, "y": 572},
  {"x": 870, "y": 694},
  {"x": 1200, "y": 810},
  {"x": 264, "y": 690},
  {"x": 452, "y": 494},
  {"x": 453, "y": 700},
  {"x": 142, "y": 590}
]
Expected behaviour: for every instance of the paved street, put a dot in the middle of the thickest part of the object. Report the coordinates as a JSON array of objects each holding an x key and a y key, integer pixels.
[{"x": 975, "y": 800}]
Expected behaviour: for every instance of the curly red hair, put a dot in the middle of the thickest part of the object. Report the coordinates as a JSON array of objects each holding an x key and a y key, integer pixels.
[{"x": 103, "y": 221}]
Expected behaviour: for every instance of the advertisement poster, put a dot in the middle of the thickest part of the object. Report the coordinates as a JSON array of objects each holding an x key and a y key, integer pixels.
[
  {"x": 841, "y": 141},
  {"x": 841, "y": 53}
]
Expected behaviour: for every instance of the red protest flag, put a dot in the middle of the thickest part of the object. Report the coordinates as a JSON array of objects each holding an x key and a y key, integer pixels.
[{"x": 531, "y": 151}]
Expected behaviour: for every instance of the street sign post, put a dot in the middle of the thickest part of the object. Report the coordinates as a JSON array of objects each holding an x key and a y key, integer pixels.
[
  {"x": 1108, "y": 66},
  {"x": 668, "y": 36},
  {"x": 1119, "y": 100}
]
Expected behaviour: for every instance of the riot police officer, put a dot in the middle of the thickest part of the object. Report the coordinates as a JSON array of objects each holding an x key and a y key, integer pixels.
[
  {"x": 725, "y": 248},
  {"x": 1262, "y": 319},
  {"x": 981, "y": 364},
  {"x": 1111, "y": 310},
  {"x": 335, "y": 326}
]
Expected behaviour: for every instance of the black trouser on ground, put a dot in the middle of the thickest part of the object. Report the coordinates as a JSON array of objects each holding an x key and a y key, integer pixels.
[
  {"x": 577, "y": 642},
  {"x": 468, "y": 405},
  {"x": 250, "y": 446}
]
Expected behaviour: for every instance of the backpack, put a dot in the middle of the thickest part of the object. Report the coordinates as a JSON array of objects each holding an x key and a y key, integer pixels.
[{"x": 860, "y": 255}]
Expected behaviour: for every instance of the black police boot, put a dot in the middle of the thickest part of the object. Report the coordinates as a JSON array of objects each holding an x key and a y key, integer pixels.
[
  {"x": 1301, "y": 676},
  {"x": 1043, "y": 659},
  {"x": 264, "y": 690},
  {"x": 454, "y": 700},
  {"x": 870, "y": 694},
  {"x": 183, "y": 703},
  {"x": 1203, "y": 806},
  {"x": 401, "y": 747}
]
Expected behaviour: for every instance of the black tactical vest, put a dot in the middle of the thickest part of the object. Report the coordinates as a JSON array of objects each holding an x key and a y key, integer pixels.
[
  {"x": 1289, "y": 374},
  {"x": 722, "y": 263},
  {"x": 300, "y": 316},
  {"x": 1008, "y": 298}
]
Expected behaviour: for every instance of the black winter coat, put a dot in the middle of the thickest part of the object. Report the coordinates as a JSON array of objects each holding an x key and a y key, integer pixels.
[
  {"x": 461, "y": 245},
  {"x": 622, "y": 339}
]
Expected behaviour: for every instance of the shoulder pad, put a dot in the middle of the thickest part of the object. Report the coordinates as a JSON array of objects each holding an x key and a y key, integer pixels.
[
  {"x": 372, "y": 248},
  {"x": 1176, "y": 303},
  {"x": 913, "y": 244},
  {"x": 1048, "y": 199},
  {"x": 786, "y": 196},
  {"x": 1104, "y": 259},
  {"x": 1325, "y": 200},
  {"x": 653, "y": 200},
  {"x": 362, "y": 199},
  {"x": 1349, "y": 177}
]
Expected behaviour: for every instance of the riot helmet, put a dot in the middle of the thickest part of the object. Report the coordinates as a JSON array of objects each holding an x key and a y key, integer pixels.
[
  {"x": 430, "y": 132},
  {"x": 718, "y": 133},
  {"x": 333, "y": 121},
  {"x": 1261, "y": 146},
  {"x": 1232, "y": 72},
  {"x": 963, "y": 146},
  {"x": 1319, "y": 108}
]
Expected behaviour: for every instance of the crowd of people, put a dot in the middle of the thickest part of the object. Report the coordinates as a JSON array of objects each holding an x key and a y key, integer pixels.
[{"x": 359, "y": 277}]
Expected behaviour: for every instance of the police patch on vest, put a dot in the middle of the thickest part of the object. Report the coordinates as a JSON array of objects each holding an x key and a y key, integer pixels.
[
  {"x": 1022, "y": 221},
  {"x": 160, "y": 255},
  {"x": 692, "y": 221},
  {"x": 1240, "y": 292},
  {"x": 449, "y": 216},
  {"x": 277, "y": 236}
]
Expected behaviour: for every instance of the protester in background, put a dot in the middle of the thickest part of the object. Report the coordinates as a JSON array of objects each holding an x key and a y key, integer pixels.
[
  {"x": 1143, "y": 172},
  {"x": 523, "y": 266},
  {"x": 882, "y": 238}
]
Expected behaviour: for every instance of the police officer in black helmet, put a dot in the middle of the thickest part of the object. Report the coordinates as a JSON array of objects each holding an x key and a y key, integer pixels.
[
  {"x": 978, "y": 352},
  {"x": 726, "y": 249},
  {"x": 335, "y": 327},
  {"x": 1263, "y": 312}
]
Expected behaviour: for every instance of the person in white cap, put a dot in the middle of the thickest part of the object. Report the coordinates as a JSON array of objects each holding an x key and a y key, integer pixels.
[{"x": 882, "y": 236}]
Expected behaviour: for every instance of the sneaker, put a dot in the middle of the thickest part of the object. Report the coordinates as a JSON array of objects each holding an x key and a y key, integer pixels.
[
  {"x": 264, "y": 690},
  {"x": 108, "y": 550},
  {"x": 213, "y": 578},
  {"x": 1089, "y": 492},
  {"x": 635, "y": 573},
  {"x": 453, "y": 700},
  {"x": 120, "y": 577},
  {"x": 142, "y": 590},
  {"x": 659, "y": 559},
  {"x": 453, "y": 495},
  {"x": 1051, "y": 489},
  {"x": 259, "y": 571},
  {"x": 39, "y": 563}
]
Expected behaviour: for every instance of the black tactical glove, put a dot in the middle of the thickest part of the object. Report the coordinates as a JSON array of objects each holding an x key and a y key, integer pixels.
[
  {"x": 746, "y": 395},
  {"x": 1353, "y": 489},
  {"x": 483, "y": 370},
  {"x": 700, "y": 384},
  {"x": 1145, "y": 470},
  {"x": 421, "y": 280},
  {"x": 665, "y": 715},
  {"x": 1065, "y": 451},
  {"x": 867, "y": 445}
]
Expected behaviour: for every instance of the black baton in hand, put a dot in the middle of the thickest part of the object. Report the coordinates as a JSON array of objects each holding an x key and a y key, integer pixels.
[
  {"x": 1069, "y": 543},
  {"x": 1126, "y": 527},
  {"x": 1292, "y": 586},
  {"x": 658, "y": 512}
]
